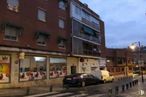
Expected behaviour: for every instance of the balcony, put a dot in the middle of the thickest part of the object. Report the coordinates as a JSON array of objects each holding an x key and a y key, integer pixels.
[
  {"x": 91, "y": 53},
  {"x": 80, "y": 47},
  {"x": 88, "y": 37},
  {"x": 82, "y": 31},
  {"x": 86, "y": 52},
  {"x": 91, "y": 24}
]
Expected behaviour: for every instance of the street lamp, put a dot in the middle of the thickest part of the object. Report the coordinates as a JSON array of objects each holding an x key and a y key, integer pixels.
[{"x": 134, "y": 46}]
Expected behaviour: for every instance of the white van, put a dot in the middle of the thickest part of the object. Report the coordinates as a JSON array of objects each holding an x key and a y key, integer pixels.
[{"x": 105, "y": 76}]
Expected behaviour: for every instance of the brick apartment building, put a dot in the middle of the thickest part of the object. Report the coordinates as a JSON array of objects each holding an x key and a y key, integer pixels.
[
  {"x": 120, "y": 62},
  {"x": 123, "y": 62},
  {"x": 43, "y": 40}
]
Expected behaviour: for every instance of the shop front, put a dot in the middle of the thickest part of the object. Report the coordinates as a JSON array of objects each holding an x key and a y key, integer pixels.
[
  {"x": 57, "y": 68},
  {"x": 82, "y": 65},
  {"x": 88, "y": 65},
  {"x": 32, "y": 69},
  {"x": 5, "y": 66}
]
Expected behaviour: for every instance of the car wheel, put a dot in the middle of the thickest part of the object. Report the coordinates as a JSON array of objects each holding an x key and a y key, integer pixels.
[
  {"x": 83, "y": 84},
  {"x": 65, "y": 86}
]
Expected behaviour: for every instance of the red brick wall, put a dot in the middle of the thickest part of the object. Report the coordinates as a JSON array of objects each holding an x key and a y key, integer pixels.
[{"x": 27, "y": 18}]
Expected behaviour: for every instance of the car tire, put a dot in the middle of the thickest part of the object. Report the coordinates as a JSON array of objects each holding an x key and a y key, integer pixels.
[
  {"x": 66, "y": 86},
  {"x": 83, "y": 84}
]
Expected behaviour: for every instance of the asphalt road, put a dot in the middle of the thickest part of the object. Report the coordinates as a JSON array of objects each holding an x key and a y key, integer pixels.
[{"x": 113, "y": 89}]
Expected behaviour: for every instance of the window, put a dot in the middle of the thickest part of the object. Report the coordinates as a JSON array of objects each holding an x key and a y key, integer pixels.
[
  {"x": 61, "y": 42},
  {"x": 11, "y": 33},
  {"x": 41, "y": 15},
  {"x": 58, "y": 67},
  {"x": 33, "y": 68},
  {"x": 13, "y": 5},
  {"x": 61, "y": 23},
  {"x": 62, "y": 5},
  {"x": 86, "y": 15},
  {"x": 41, "y": 38},
  {"x": 77, "y": 10}
]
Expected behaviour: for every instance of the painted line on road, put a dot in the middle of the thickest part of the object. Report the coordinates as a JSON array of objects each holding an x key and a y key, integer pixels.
[
  {"x": 96, "y": 95},
  {"x": 38, "y": 95},
  {"x": 60, "y": 94},
  {"x": 79, "y": 95}
]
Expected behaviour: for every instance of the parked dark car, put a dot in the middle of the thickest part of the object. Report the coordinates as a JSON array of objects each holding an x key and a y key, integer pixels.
[{"x": 80, "y": 79}]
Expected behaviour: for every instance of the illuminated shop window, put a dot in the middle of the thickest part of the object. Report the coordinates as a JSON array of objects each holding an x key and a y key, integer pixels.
[
  {"x": 33, "y": 68},
  {"x": 58, "y": 67},
  {"x": 4, "y": 68}
]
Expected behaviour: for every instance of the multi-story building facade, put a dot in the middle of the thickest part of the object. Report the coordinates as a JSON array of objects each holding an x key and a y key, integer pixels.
[
  {"x": 87, "y": 39},
  {"x": 120, "y": 62},
  {"x": 43, "y": 40},
  {"x": 139, "y": 59},
  {"x": 33, "y": 36}
]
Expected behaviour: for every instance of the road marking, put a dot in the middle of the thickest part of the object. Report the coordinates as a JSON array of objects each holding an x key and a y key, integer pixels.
[
  {"x": 38, "y": 95},
  {"x": 79, "y": 95},
  {"x": 96, "y": 95},
  {"x": 59, "y": 95}
]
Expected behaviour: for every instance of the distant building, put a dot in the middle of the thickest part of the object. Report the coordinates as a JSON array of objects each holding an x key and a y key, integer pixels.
[
  {"x": 123, "y": 62},
  {"x": 119, "y": 61}
]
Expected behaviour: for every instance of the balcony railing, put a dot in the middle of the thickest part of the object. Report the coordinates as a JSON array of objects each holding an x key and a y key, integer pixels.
[
  {"x": 86, "y": 52},
  {"x": 92, "y": 24},
  {"x": 87, "y": 37}
]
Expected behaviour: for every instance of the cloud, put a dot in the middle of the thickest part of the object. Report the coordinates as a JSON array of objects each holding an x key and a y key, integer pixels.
[{"x": 125, "y": 20}]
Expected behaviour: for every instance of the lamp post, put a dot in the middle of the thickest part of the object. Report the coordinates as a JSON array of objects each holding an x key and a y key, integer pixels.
[{"x": 133, "y": 47}]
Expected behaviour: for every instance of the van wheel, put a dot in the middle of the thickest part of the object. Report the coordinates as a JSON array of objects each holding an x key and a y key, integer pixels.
[{"x": 83, "y": 84}]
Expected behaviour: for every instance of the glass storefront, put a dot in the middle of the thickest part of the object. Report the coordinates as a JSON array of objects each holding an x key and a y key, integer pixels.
[
  {"x": 58, "y": 67},
  {"x": 33, "y": 68},
  {"x": 4, "y": 68}
]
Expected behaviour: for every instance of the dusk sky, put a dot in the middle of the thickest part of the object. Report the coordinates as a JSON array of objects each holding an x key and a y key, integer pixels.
[{"x": 125, "y": 20}]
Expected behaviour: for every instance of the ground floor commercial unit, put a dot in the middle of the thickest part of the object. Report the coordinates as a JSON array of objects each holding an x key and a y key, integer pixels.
[
  {"x": 23, "y": 67},
  {"x": 82, "y": 64},
  {"x": 121, "y": 71}
]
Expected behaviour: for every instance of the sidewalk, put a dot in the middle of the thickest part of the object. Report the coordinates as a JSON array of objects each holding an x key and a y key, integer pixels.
[
  {"x": 138, "y": 91},
  {"x": 20, "y": 92}
]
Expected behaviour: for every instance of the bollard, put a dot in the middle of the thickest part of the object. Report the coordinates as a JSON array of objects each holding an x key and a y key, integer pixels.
[
  {"x": 116, "y": 90},
  {"x": 27, "y": 91},
  {"x": 127, "y": 86},
  {"x": 123, "y": 88},
  {"x": 133, "y": 83},
  {"x": 51, "y": 88},
  {"x": 110, "y": 92},
  {"x": 130, "y": 84},
  {"x": 137, "y": 81}
]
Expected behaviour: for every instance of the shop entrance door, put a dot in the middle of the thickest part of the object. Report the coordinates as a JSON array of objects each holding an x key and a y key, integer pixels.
[{"x": 73, "y": 69}]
